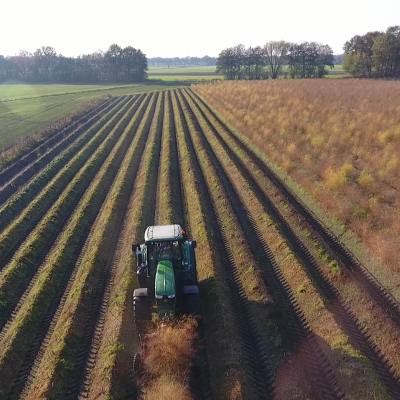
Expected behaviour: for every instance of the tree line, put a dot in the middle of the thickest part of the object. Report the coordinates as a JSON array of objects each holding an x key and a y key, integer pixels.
[
  {"x": 375, "y": 54},
  {"x": 304, "y": 60},
  {"x": 181, "y": 62},
  {"x": 117, "y": 64}
]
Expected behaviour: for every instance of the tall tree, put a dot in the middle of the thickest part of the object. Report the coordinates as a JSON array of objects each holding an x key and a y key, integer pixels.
[
  {"x": 254, "y": 63},
  {"x": 114, "y": 60},
  {"x": 381, "y": 55},
  {"x": 393, "y": 36},
  {"x": 363, "y": 45},
  {"x": 226, "y": 63},
  {"x": 44, "y": 62},
  {"x": 325, "y": 59},
  {"x": 309, "y": 60},
  {"x": 276, "y": 56},
  {"x": 134, "y": 64}
]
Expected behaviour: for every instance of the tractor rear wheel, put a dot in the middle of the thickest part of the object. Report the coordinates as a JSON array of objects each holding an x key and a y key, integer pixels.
[
  {"x": 137, "y": 363},
  {"x": 192, "y": 304}
]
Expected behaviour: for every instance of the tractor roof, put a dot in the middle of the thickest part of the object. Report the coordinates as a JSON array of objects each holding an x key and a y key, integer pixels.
[
  {"x": 165, "y": 278},
  {"x": 161, "y": 233}
]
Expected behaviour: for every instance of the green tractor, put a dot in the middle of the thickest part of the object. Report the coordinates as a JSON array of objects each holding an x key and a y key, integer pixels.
[{"x": 166, "y": 274}]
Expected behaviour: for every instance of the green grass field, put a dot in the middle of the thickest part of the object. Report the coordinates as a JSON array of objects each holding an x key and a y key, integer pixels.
[
  {"x": 188, "y": 78},
  {"x": 26, "y": 109},
  {"x": 181, "y": 70}
]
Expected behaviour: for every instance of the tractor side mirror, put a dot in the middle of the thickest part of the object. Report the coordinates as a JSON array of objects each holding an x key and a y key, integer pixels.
[{"x": 194, "y": 244}]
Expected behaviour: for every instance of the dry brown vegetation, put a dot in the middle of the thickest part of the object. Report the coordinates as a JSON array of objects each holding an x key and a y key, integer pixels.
[
  {"x": 163, "y": 388},
  {"x": 339, "y": 140},
  {"x": 167, "y": 361}
]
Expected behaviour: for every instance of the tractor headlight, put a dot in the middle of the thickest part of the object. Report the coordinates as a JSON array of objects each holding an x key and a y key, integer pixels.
[
  {"x": 171, "y": 296},
  {"x": 158, "y": 297}
]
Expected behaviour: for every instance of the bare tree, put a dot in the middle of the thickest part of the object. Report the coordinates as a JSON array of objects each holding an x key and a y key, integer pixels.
[{"x": 275, "y": 56}]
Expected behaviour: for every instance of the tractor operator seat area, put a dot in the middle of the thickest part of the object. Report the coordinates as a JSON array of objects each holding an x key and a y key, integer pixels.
[{"x": 161, "y": 251}]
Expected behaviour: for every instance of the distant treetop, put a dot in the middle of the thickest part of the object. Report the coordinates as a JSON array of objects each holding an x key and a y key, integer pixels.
[
  {"x": 375, "y": 54},
  {"x": 117, "y": 64},
  {"x": 304, "y": 60}
]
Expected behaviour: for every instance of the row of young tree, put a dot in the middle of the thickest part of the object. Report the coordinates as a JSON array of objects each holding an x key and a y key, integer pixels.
[
  {"x": 305, "y": 60},
  {"x": 181, "y": 61},
  {"x": 117, "y": 64},
  {"x": 375, "y": 54}
]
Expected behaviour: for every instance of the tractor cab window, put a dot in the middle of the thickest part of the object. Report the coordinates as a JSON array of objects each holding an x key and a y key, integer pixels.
[
  {"x": 161, "y": 251},
  {"x": 177, "y": 251},
  {"x": 164, "y": 251},
  {"x": 152, "y": 258}
]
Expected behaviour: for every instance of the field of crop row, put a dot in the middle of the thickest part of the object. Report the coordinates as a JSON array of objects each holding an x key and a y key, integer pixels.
[{"x": 278, "y": 320}]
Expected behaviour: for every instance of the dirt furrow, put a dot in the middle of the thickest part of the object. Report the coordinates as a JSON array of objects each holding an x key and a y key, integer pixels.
[
  {"x": 332, "y": 299},
  {"x": 64, "y": 358},
  {"x": 11, "y": 168},
  {"x": 112, "y": 373},
  {"x": 334, "y": 302},
  {"x": 17, "y": 231},
  {"x": 18, "y": 202},
  {"x": 154, "y": 135},
  {"x": 321, "y": 379},
  {"x": 174, "y": 205},
  {"x": 10, "y": 185},
  {"x": 22, "y": 337},
  {"x": 18, "y": 273},
  {"x": 337, "y": 250},
  {"x": 229, "y": 246}
]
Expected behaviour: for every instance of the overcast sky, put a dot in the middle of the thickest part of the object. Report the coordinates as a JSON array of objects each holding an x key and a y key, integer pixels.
[{"x": 185, "y": 28}]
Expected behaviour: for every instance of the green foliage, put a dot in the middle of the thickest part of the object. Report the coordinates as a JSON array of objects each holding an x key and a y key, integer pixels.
[
  {"x": 334, "y": 267},
  {"x": 65, "y": 367},
  {"x": 114, "y": 349},
  {"x": 301, "y": 289},
  {"x": 45, "y": 65},
  {"x": 355, "y": 65},
  {"x": 309, "y": 60},
  {"x": 374, "y": 54},
  {"x": 3, "y": 301}
]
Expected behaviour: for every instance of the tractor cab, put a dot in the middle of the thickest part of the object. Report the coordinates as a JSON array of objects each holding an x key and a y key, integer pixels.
[{"x": 166, "y": 267}]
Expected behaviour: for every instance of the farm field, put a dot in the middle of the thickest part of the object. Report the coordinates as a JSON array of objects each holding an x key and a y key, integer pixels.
[
  {"x": 287, "y": 311},
  {"x": 173, "y": 70},
  {"x": 206, "y": 69},
  {"x": 343, "y": 152},
  {"x": 186, "y": 78},
  {"x": 28, "y": 108}
]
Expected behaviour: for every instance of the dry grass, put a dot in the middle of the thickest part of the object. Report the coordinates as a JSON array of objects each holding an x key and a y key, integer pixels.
[
  {"x": 165, "y": 389},
  {"x": 170, "y": 351},
  {"x": 339, "y": 140},
  {"x": 291, "y": 380},
  {"x": 167, "y": 360}
]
